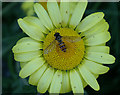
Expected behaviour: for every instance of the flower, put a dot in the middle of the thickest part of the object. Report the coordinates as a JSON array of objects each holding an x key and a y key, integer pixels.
[
  {"x": 83, "y": 60},
  {"x": 27, "y": 7}
]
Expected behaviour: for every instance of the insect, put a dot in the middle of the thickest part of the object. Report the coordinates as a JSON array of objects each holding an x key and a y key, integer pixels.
[{"x": 61, "y": 44}]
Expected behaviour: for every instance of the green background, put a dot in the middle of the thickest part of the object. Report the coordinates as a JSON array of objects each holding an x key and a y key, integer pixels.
[{"x": 11, "y": 33}]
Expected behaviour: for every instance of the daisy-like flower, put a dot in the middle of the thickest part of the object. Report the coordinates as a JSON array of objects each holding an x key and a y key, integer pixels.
[
  {"x": 27, "y": 8},
  {"x": 63, "y": 53}
]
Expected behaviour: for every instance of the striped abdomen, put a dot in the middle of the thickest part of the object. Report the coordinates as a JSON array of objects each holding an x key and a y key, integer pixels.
[{"x": 62, "y": 46}]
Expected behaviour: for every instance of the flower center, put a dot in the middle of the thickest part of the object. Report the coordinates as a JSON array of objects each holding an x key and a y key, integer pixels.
[{"x": 64, "y": 53}]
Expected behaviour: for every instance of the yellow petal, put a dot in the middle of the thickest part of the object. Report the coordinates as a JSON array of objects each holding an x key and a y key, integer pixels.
[
  {"x": 72, "y": 7},
  {"x": 34, "y": 77},
  {"x": 97, "y": 39},
  {"x": 56, "y": 82},
  {"x": 88, "y": 77},
  {"x": 26, "y": 39},
  {"x": 102, "y": 49},
  {"x": 27, "y": 56},
  {"x": 104, "y": 44},
  {"x": 65, "y": 87},
  {"x": 99, "y": 27},
  {"x": 26, "y": 47},
  {"x": 83, "y": 81},
  {"x": 43, "y": 16},
  {"x": 89, "y": 21},
  {"x": 64, "y": 9},
  {"x": 54, "y": 13},
  {"x": 45, "y": 80},
  {"x": 77, "y": 14},
  {"x": 31, "y": 67},
  {"x": 100, "y": 57},
  {"x": 27, "y": 5},
  {"x": 31, "y": 30},
  {"x": 22, "y": 64},
  {"x": 76, "y": 82},
  {"x": 37, "y": 23},
  {"x": 95, "y": 67}
]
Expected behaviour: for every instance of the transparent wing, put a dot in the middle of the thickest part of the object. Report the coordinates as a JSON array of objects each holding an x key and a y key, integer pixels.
[
  {"x": 71, "y": 39},
  {"x": 50, "y": 47}
]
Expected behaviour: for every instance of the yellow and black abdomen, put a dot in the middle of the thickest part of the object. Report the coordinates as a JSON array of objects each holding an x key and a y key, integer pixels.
[{"x": 62, "y": 46}]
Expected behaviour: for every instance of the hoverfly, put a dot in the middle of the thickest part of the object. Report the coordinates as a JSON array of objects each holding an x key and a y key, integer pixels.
[{"x": 61, "y": 44}]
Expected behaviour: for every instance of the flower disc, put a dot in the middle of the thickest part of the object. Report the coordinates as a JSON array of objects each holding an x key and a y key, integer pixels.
[{"x": 64, "y": 60}]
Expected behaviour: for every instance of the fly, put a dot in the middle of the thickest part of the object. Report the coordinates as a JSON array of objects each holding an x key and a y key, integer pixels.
[{"x": 61, "y": 44}]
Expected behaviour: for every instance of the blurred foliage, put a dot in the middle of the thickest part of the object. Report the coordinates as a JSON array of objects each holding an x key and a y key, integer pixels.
[{"x": 11, "y": 33}]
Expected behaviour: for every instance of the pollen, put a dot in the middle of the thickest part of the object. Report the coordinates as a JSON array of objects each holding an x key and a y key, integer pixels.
[{"x": 59, "y": 59}]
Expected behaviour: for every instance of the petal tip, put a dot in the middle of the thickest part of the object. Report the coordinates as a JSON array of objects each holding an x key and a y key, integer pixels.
[{"x": 20, "y": 74}]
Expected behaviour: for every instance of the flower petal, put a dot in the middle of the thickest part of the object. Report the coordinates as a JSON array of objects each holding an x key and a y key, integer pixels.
[
  {"x": 64, "y": 9},
  {"x": 31, "y": 30},
  {"x": 95, "y": 67},
  {"x": 76, "y": 82},
  {"x": 103, "y": 49},
  {"x": 34, "y": 77},
  {"x": 54, "y": 13},
  {"x": 26, "y": 47},
  {"x": 88, "y": 77},
  {"x": 45, "y": 80},
  {"x": 97, "y": 39},
  {"x": 22, "y": 64},
  {"x": 83, "y": 81},
  {"x": 89, "y": 21},
  {"x": 56, "y": 82},
  {"x": 37, "y": 23},
  {"x": 43, "y": 16},
  {"x": 100, "y": 57},
  {"x": 27, "y": 56},
  {"x": 31, "y": 67},
  {"x": 65, "y": 87},
  {"x": 99, "y": 27},
  {"x": 72, "y": 7},
  {"x": 77, "y": 14},
  {"x": 26, "y": 39}
]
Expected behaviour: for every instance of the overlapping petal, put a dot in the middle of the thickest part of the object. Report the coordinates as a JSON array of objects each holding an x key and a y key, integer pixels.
[
  {"x": 45, "y": 80},
  {"x": 37, "y": 23},
  {"x": 56, "y": 82},
  {"x": 65, "y": 12},
  {"x": 89, "y": 77},
  {"x": 43, "y": 16},
  {"x": 65, "y": 87},
  {"x": 31, "y": 30},
  {"x": 76, "y": 82},
  {"x": 31, "y": 67},
  {"x": 34, "y": 77},
  {"x": 77, "y": 14},
  {"x": 99, "y": 27},
  {"x": 54, "y": 13},
  {"x": 22, "y": 64},
  {"x": 89, "y": 21},
  {"x": 95, "y": 67}
]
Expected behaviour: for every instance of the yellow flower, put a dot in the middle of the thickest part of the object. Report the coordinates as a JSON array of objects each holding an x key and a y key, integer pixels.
[
  {"x": 27, "y": 7},
  {"x": 55, "y": 69}
]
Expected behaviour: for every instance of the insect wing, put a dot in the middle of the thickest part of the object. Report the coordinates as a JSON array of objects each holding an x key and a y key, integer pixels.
[
  {"x": 71, "y": 39},
  {"x": 50, "y": 47}
]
